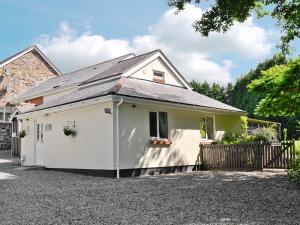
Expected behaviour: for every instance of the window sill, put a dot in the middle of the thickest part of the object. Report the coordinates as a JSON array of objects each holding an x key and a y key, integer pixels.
[
  {"x": 206, "y": 142},
  {"x": 160, "y": 142}
]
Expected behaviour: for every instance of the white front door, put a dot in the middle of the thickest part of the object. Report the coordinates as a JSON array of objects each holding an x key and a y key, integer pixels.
[{"x": 39, "y": 143}]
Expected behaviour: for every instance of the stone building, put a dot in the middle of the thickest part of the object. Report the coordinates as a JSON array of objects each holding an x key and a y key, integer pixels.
[{"x": 19, "y": 72}]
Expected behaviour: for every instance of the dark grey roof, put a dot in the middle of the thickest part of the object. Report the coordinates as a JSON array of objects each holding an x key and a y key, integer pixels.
[
  {"x": 72, "y": 78},
  {"x": 121, "y": 67},
  {"x": 141, "y": 89}
]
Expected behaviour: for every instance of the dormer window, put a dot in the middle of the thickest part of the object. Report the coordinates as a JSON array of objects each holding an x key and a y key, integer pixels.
[{"x": 158, "y": 76}]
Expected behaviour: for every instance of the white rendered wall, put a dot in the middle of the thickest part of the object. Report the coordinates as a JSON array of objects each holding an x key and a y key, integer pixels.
[
  {"x": 28, "y": 142},
  {"x": 91, "y": 148},
  {"x": 146, "y": 72},
  {"x": 135, "y": 152}
]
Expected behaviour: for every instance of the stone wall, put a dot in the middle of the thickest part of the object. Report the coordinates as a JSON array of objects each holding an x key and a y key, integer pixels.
[
  {"x": 5, "y": 136},
  {"x": 24, "y": 72},
  {"x": 16, "y": 77}
]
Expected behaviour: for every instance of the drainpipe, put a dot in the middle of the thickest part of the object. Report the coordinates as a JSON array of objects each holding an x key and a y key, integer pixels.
[{"x": 117, "y": 155}]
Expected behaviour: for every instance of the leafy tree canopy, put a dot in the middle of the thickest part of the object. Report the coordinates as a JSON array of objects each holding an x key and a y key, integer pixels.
[
  {"x": 281, "y": 87},
  {"x": 241, "y": 97},
  {"x": 223, "y": 13}
]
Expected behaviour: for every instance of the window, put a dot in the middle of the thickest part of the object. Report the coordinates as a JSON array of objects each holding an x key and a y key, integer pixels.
[
  {"x": 207, "y": 128},
  {"x": 158, "y": 124},
  {"x": 5, "y": 113},
  {"x": 158, "y": 76}
]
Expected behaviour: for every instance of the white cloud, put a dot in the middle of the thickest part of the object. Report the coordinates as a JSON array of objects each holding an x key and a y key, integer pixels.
[{"x": 191, "y": 53}]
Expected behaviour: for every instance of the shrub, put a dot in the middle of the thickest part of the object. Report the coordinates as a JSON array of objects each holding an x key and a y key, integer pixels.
[
  {"x": 232, "y": 138},
  {"x": 265, "y": 134},
  {"x": 294, "y": 170}
]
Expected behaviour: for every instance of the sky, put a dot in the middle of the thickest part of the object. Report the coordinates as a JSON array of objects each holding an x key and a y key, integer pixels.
[{"x": 80, "y": 33}]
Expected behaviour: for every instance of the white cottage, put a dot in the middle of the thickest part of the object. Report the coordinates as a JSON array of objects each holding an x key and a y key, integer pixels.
[{"x": 130, "y": 115}]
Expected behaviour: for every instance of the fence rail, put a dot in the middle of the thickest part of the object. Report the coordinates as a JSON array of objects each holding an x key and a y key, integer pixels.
[{"x": 253, "y": 156}]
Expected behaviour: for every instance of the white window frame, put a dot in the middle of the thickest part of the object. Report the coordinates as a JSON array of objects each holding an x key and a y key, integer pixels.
[
  {"x": 157, "y": 124},
  {"x": 162, "y": 77},
  {"x": 214, "y": 127},
  {"x": 6, "y": 109}
]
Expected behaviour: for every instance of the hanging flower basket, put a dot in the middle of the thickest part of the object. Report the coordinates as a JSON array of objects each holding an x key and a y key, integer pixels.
[
  {"x": 22, "y": 134},
  {"x": 69, "y": 131}
]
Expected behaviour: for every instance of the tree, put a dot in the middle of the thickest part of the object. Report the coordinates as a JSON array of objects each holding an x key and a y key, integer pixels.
[
  {"x": 228, "y": 94},
  {"x": 281, "y": 88},
  {"x": 241, "y": 97},
  {"x": 215, "y": 91},
  {"x": 223, "y": 13}
]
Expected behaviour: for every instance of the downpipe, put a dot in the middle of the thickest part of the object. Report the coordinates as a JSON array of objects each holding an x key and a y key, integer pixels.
[{"x": 117, "y": 153}]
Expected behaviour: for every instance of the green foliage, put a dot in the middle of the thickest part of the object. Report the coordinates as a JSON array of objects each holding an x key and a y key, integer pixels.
[
  {"x": 223, "y": 13},
  {"x": 241, "y": 97},
  {"x": 285, "y": 134},
  {"x": 280, "y": 86},
  {"x": 214, "y": 90},
  {"x": 22, "y": 134},
  {"x": 232, "y": 138},
  {"x": 244, "y": 124},
  {"x": 298, "y": 128},
  {"x": 266, "y": 135}
]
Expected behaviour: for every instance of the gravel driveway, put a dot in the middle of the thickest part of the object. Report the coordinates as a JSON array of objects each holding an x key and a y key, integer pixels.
[{"x": 52, "y": 197}]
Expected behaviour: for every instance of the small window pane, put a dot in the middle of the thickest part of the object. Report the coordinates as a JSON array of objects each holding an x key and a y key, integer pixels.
[
  {"x": 1, "y": 116},
  {"x": 163, "y": 125},
  {"x": 7, "y": 116},
  {"x": 153, "y": 124}
]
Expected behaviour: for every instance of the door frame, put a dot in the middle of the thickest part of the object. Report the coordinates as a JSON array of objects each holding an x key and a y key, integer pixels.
[{"x": 36, "y": 122}]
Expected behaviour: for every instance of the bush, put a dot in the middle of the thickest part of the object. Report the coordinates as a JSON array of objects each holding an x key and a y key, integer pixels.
[
  {"x": 232, "y": 138},
  {"x": 265, "y": 134},
  {"x": 294, "y": 168}
]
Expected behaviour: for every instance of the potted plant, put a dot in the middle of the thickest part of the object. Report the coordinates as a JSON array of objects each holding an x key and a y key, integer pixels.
[
  {"x": 22, "y": 134},
  {"x": 68, "y": 131}
]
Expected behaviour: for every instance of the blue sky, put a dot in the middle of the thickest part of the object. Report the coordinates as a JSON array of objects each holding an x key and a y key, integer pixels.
[{"x": 78, "y": 33}]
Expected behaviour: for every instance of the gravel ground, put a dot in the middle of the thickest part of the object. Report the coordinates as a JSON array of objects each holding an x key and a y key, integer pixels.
[{"x": 53, "y": 197}]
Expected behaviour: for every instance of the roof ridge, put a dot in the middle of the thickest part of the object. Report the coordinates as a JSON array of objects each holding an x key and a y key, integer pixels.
[
  {"x": 156, "y": 50},
  {"x": 98, "y": 63}
]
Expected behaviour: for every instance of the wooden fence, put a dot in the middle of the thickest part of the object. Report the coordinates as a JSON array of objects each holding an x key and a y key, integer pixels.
[
  {"x": 278, "y": 156},
  {"x": 253, "y": 156},
  {"x": 15, "y": 146}
]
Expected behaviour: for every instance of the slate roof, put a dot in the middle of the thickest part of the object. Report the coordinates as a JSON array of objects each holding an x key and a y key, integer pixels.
[
  {"x": 142, "y": 89},
  {"x": 72, "y": 78},
  {"x": 121, "y": 67}
]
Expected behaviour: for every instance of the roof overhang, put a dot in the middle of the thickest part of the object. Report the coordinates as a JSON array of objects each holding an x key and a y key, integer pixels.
[
  {"x": 128, "y": 99},
  {"x": 65, "y": 107},
  {"x": 151, "y": 102}
]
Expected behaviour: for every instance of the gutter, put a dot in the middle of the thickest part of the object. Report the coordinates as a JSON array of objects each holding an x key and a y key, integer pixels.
[{"x": 118, "y": 141}]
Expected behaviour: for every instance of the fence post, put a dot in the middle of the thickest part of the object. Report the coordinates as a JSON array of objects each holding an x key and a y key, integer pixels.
[{"x": 259, "y": 156}]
